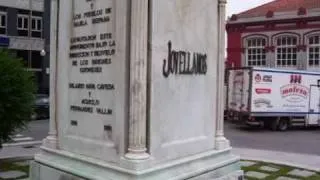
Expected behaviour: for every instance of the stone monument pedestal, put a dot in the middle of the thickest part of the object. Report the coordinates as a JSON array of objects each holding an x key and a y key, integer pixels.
[
  {"x": 58, "y": 165},
  {"x": 136, "y": 92}
]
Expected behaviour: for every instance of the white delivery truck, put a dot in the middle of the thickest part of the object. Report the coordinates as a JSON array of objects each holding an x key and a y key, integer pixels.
[{"x": 273, "y": 98}]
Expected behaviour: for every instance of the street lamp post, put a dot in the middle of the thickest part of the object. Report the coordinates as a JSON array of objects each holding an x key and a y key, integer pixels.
[{"x": 43, "y": 53}]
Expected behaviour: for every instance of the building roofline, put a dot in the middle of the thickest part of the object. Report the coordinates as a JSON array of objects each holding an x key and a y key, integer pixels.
[
  {"x": 260, "y": 6},
  {"x": 278, "y": 7},
  {"x": 287, "y": 15}
]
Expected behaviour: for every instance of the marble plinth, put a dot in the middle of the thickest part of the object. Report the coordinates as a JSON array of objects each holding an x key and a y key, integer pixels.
[{"x": 62, "y": 165}]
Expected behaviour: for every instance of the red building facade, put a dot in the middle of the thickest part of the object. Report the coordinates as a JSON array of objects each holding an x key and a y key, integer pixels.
[{"x": 280, "y": 34}]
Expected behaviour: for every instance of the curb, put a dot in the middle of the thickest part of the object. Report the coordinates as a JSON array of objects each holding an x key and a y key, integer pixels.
[
  {"x": 17, "y": 153},
  {"x": 20, "y": 158},
  {"x": 31, "y": 143}
]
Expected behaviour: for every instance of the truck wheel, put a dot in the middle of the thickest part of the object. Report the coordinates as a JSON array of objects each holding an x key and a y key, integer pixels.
[{"x": 283, "y": 125}]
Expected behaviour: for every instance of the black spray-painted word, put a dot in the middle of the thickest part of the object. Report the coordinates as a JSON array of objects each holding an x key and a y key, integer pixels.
[{"x": 184, "y": 63}]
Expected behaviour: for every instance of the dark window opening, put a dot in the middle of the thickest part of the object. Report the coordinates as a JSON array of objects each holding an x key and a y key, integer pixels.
[
  {"x": 19, "y": 22},
  {"x": 24, "y": 56},
  {"x": 36, "y": 60},
  {"x": 2, "y": 30},
  {"x": 3, "y": 21},
  {"x": 33, "y": 24},
  {"x": 36, "y": 34},
  {"x": 23, "y": 33}
]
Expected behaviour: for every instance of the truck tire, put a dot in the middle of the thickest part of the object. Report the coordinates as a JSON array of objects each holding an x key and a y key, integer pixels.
[{"x": 283, "y": 124}]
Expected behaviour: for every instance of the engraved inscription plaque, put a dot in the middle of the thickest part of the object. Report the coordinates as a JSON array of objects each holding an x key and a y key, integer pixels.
[{"x": 92, "y": 75}]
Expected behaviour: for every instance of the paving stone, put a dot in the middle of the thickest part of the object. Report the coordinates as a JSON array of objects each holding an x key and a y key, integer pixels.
[
  {"x": 257, "y": 175},
  {"x": 301, "y": 173},
  {"x": 12, "y": 174},
  {"x": 247, "y": 163},
  {"x": 285, "y": 178},
  {"x": 23, "y": 163},
  {"x": 269, "y": 169}
]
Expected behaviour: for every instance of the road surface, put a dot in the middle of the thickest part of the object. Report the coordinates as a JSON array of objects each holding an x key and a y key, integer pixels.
[
  {"x": 298, "y": 140},
  {"x": 34, "y": 134}
]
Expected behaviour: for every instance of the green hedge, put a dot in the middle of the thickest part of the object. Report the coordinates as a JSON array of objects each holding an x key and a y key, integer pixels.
[{"x": 17, "y": 89}]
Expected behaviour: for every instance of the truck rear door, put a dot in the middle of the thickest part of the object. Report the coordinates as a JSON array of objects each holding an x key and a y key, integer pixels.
[
  {"x": 238, "y": 90},
  {"x": 314, "y": 106}
]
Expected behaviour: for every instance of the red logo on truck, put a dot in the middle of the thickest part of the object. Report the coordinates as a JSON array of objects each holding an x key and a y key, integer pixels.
[
  {"x": 263, "y": 91},
  {"x": 295, "y": 92},
  {"x": 295, "y": 79}
]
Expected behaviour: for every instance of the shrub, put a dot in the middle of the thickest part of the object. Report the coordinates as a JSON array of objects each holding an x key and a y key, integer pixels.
[{"x": 17, "y": 89}]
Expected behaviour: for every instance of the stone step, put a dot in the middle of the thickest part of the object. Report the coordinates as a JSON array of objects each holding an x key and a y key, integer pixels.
[{"x": 12, "y": 174}]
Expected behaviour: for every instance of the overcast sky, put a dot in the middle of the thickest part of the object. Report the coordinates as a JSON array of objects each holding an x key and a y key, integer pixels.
[{"x": 236, "y": 6}]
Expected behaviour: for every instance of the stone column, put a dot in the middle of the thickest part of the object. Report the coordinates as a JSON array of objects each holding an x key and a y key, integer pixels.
[
  {"x": 137, "y": 149},
  {"x": 52, "y": 140},
  {"x": 221, "y": 141}
]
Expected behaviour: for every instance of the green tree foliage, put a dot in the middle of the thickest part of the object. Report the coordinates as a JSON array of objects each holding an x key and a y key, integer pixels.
[{"x": 17, "y": 90}]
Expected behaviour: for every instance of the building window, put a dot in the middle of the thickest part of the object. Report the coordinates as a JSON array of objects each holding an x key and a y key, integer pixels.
[
  {"x": 23, "y": 25},
  {"x": 314, "y": 51},
  {"x": 36, "y": 60},
  {"x": 24, "y": 56},
  {"x": 256, "y": 53},
  {"x": 286, "y": 51},
  {"x": 3, "y": 22},
  {"x": 36, "y": 27},
  {"x": 31, "y": 59}
]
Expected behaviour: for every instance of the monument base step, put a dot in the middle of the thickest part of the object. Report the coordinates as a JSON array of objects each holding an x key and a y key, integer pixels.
[{"x": 218, "y": 166}]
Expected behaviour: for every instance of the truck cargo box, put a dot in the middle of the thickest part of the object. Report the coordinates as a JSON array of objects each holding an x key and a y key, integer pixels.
[{"x": 264, "y": 92}]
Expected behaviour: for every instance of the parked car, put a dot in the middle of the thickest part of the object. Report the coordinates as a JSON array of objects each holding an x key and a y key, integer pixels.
[{"x": 41, "y": 107}]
